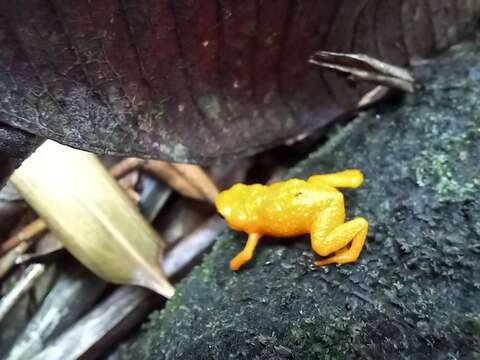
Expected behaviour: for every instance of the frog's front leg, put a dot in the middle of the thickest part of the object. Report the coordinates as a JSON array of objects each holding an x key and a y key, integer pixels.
[
  {"x": 329, "y": 235},
  {"x": 247, "y": 253},
  {"x": 351, "y": 178}
]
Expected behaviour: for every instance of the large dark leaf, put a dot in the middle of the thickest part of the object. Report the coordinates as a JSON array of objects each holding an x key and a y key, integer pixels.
[{"x": 199, "y": 80}]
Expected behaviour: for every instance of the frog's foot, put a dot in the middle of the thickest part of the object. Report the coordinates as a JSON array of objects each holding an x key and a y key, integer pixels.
[
  {"x": 342, "y": 256},
  {"x": 354, "y": 231},
  {"x": 237, "y": 262},
  {"x": 246, "y": 254}
]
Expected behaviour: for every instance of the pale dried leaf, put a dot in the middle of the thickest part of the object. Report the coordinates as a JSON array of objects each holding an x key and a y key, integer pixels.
[
  {"x": 373, "y": 96},
  {"x": 366, "y": 68},
  {"x": 126, "y": 307},
  {"x": 93, "y": 217}
]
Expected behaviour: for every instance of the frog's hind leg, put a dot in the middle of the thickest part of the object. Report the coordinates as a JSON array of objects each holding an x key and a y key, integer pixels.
[
  {"x": 354, "y": 231},
  {"x": 247, "y": 253},
  {"x": 351, "y": 178}
]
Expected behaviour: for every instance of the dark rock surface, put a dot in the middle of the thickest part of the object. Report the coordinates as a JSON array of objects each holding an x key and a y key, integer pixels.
[
  {"x": 415, "y": 291},
  {"x": 15, "y": 146}
]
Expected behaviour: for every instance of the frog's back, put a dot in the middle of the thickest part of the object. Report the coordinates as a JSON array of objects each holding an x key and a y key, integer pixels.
[{"x": 290, "y": 207}]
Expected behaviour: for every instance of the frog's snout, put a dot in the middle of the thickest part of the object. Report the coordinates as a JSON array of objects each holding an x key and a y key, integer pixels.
[{"x": 224, "y": 211}]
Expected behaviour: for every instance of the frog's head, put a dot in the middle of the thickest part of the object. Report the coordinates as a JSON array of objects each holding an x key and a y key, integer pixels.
[{"x": 231, "y": 205}]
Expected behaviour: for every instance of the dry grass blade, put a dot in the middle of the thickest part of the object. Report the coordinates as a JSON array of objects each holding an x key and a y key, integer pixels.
[
  {"x": 189, "y": 180},
  {"x": 92, "y": 216}
]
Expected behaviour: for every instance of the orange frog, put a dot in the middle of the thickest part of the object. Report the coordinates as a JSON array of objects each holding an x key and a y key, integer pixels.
[{"x": 296, "y": 207}]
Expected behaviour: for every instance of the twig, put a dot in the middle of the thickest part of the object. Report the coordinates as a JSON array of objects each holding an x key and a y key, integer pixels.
[
  {"x": 8, "y": 260},
  {"x": 192, "y": 246},
  {"x": 32, "y": 273},
  {"x": 31, "y": 230}
]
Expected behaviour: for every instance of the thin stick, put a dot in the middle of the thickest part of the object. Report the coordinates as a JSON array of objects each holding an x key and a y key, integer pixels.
[
  {"x": 31, "y": 230},
  {"x": 32, "y": 273},
  {"x": 8, "y": 260}
]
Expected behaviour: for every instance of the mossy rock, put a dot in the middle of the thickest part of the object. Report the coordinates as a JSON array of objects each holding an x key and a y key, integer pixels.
[{"x": 414, "y": 292}]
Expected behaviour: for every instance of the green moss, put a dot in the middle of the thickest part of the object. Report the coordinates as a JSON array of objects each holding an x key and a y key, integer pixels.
[{"x": 415, "y": 289}]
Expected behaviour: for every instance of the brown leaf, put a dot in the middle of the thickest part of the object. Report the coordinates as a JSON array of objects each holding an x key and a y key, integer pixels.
[
  {"x": 189, "y": 180},
  {"x": 163, "y": 81}
]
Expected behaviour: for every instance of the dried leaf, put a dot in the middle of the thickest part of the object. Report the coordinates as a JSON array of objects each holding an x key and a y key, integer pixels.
[
  {"x": 240, "y": 90},
  {"x": 366, "y": 68},
  {"x": 189, "y": 180},
  {"x": 127, "y": 180},
  {"x": 93, "y": 217},
  {"x": 373, "y": 96}
]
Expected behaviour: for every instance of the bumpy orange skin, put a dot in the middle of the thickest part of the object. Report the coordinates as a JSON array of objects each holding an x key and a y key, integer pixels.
[{"x": 296, "y": 207}]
